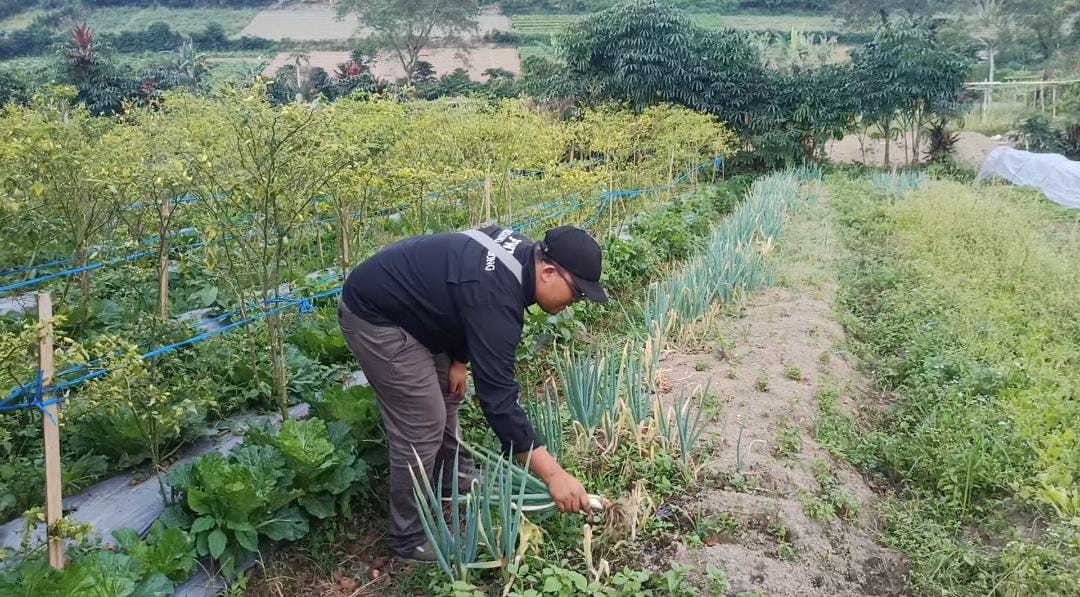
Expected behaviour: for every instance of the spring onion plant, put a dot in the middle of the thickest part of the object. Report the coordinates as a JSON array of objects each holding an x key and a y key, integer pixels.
[
  {"x": 898, "y": 184},
  {"x": 501, "y": 522},
  {"x": 456, "y": 542},
  {"x": 688, "y": 427},
  {"x": 733, "y": 262},
  {"x": 547, "y": 418},
  {"x": 637, "y": 385},
  {"x": 580, "y": 378}
]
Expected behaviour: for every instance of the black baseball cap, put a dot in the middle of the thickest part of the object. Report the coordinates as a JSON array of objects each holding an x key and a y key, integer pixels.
[{"x": 578, "y": 253}]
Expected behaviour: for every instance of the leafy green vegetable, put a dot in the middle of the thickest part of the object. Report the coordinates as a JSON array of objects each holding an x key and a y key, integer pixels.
[
  {"x": 228, "y": 503},
  {"x": 96, "y": 574},
  {"x": 169, "y": 551},
  {"x": 323, "y": 459},
  {"x": 355, "y": 407}
]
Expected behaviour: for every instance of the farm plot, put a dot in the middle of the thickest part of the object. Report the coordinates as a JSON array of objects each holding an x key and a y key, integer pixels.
[
  {"x": 185, "y": 382},
  {"x": 547, "y": 25},
  {"x": 183, "y": 20},
  {"x": 963, "y": 303},
  {"x": 311, "y": 23}
]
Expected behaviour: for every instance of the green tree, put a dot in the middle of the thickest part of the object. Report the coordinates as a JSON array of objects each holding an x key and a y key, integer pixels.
[
  {"x": 1046, "y": 23},
  {"x": 256, "y": 170},
  {"x": 872, "y": 12},
  {"x": 406, "y": 28},
  {"x": 51, "y": 150},
  {"x": 906, "y": 78}
]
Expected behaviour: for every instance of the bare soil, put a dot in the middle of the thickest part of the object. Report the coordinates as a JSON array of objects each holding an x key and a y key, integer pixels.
[
  {"x": 971, "y": 149},
  {"x": 765, "y": 365},
  {"x": 320, "y": 22}
]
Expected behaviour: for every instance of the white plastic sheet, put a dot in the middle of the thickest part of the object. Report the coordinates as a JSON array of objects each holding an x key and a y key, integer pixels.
[{"x": 1055, "y": 175}]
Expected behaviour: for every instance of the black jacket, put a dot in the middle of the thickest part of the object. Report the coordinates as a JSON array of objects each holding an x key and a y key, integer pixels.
[{"x": 453, "y": 298}]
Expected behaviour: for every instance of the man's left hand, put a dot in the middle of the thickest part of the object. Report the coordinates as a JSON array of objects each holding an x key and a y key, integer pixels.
[{"x": 456, "y": 383}]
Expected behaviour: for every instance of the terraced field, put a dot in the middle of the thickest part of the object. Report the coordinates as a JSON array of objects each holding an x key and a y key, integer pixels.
[{"x": 554, "y": 24}]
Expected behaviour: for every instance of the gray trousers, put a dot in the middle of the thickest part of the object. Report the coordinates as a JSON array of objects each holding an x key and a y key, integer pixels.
[{"x": 418, "y": 413}]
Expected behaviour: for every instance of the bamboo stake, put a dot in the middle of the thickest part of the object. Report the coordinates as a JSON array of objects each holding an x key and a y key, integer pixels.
[
  {"x": 487, "y": 200},
  {"x": 163, "y": 275},
  {"x": 54, "y": 505}
]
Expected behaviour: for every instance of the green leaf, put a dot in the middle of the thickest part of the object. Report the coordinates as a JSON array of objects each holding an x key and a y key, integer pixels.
[
  {"x": 171, "y": 553},
  {"x": 217, "y": 542},
  {"x": 249, "y": 540},
  {"x": 288, "y": 525},
  {"x": 319, "y": 506},
  {"x": 203, "y": 523},
  {"x": 128, "y": 540},
  {"x": 233, "y": 525},
  {"x": 174, "y": 516},
  {"x": 157, "y": 585},
  {"x": 199, "y": 501},
  {"x": 207, "y": 296},
  {"x": 202, "y": 544}
]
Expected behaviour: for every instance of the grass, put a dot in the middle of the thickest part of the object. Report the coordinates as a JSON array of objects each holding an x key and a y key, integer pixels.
[
  {"x": 20, "y": 21},
  {"x": 1003, "y": 117},
  {"x": 555, "y": 24},
  {"x": 536, "y": 50},
  {"x": 184, "y": 20},
  {"x": 962, "y": 301}
]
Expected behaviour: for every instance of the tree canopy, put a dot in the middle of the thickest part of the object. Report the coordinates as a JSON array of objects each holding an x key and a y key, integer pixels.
[{"x": 406, "y": 28}]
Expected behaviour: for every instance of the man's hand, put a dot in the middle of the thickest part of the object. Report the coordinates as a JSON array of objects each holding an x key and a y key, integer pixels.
[
  {"x": 456, "y": 384},
  {"x": 569, "y": 494}
]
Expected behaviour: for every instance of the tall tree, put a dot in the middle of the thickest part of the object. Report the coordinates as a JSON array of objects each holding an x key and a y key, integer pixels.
[
  {"x": 406, "y": 28},
  {"x": 1047, "y": 23},
  {"x": 991, "y": 26},
  {"x": 645, "y": 52},
  {"x": 905, "y": 78}
]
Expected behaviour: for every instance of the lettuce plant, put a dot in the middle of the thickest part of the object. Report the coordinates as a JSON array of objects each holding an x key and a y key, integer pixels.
[
  {"x": 228, "y": 503},
  {"x": 322, "y": 458}
]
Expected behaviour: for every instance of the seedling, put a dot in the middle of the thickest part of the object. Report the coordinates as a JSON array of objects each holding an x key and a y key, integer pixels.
[
  {"x": 788, "y": 440},
  {"x": 762, "y": 383},
  {"x": 792, "y": 372},
  {"x": 718, "y": 581},
  {"x": 817, "y": 508},
  {"x": 701, "y": 366},
  {"x": 786, "y": 552}
]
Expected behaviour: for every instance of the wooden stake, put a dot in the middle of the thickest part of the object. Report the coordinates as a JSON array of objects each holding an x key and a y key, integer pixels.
[
  {"x": 163, "y": 275},
  {"x": 54, "y": 503},
  {"x": 487, "y": 200}
]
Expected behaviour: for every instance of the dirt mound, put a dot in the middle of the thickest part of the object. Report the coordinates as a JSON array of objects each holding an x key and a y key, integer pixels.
[
  {"x": 971, "y": 149},
  {"x": 781, "y": 354},
  {"x": 797, "y": 521}
]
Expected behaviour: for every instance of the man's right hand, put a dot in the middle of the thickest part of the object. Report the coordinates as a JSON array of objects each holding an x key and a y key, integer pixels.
[{"x": 569, "y": 494}]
